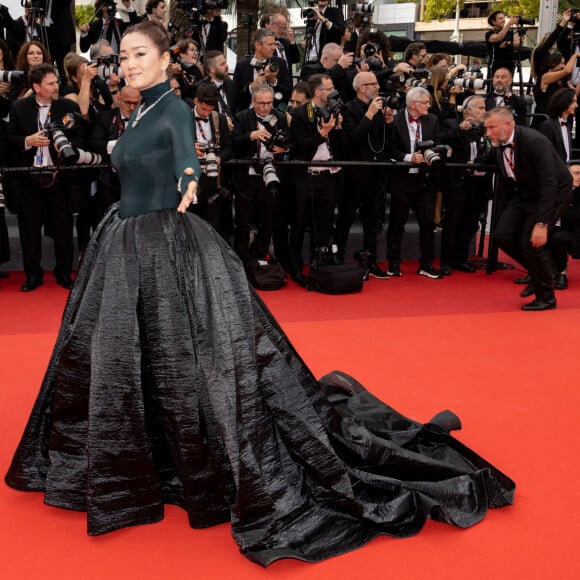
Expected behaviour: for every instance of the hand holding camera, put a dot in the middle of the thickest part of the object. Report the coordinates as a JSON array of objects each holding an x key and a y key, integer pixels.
[{"x": 376, "y": 105}]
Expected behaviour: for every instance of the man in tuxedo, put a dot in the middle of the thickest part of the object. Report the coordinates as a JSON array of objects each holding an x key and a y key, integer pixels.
[
  {"x": 365, "y": 124},
  {"x": 286, "y": 47},
  {"x": 330, "y": 27},
  {"x": 556, "y": 128},
  {"x": 60, "y": 29},
  {"x": 216, "y": 67},
  {"x": 108, "y": 127},
  {"x": 254, "y": 202},
  {"x": 257, "y": 71},
  {"x": 32, "y": 147},
  {"x": 502, "y": 96},
  {"x": 413, "y": 187},
  {"x": 212, "y": 31},
  {"x": 211, "y": 128},
  {"x": 23, "y": 30},
  {"x": 534, "y": 188}
]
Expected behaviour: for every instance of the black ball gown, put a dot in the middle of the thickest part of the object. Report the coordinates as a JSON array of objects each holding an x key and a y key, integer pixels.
[{"x": 170, "y": 382}]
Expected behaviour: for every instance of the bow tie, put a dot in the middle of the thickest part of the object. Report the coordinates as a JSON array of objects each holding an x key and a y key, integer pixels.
[
  {"x": 564, "y": 123},
  {"x": 202, "y": 120},
  {"x": 414, "y": 119},
  {"x": 506, "y": 146}
]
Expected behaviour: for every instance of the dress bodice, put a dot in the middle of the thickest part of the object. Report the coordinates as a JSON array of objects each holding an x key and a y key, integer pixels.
[{"x": 152, "y": 155}]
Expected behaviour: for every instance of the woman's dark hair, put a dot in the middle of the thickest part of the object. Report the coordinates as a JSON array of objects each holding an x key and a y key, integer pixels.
[
  {"x": 21, "y": 58},
  {"x": 374, "y": 36},
  {"x": 6, "y": 56},
  {"x": 183, "y": 45},
  {"x": 437, "y": 81},
  {"x": 155, "y": 32},
  {"x": 560, "y": 101},
  {"x": 553, "y": 60},
  {"x": 303, "y": 88},
  {"x": 491, "y": 18},
  {"x": 436, "y": 58},
  {"x": 71, "y": 64}
]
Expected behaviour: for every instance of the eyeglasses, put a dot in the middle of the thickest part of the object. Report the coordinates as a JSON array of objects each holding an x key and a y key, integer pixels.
[
  {"x": 264, "y": 103},
  {"x": 423, "y": 102},
  {"x": 375, "y": 84}
]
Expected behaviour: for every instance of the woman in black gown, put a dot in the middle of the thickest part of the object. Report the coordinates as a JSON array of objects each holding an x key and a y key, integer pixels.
[{"x": 171, "y": 383}]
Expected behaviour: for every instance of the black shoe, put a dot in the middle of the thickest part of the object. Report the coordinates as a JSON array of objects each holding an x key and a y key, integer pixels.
[
  {"x": 30, "y": 285},
  {"x": 561, "y": 282},
  {"x": 527, "y": 291},
  {"x": 540, "y": 304},
  {"x": 65, "y": 282},
  {"x": 429, "y": 272},
  {"x": 446, "y": 270},
  {"x": 376, "y": 272},
  {"x": 465, "y": 267},
  {"x": 394, "y": 270},
  {"x": 523, "y": 280},
  {"x": 299, "y": 279}
]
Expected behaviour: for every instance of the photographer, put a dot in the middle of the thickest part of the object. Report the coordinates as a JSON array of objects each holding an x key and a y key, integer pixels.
[
  {"x": 444, "y": 101},
  {"x": 106, "y": 25},
  {"x": 317, "y": 135},
  {"x": 263, "y": 69},
  {"x": 413, "y": 187},
  {"x": 30, "y": 54},
  {"x": 502, "y": 96},
  {"x": 557, "y": 128},
  {"x": 467, "y": 191},
  {"x": 501, "y": 42},
  {"x": 365, "y": 124},
  {"x": 254, "y": 199},
  {"x": 156, "y": 10},
  {"x": 286, "y": 47},
  {"x": 34, "y": 146},
  {"x": 6, "y": 23},
  {"x": 186, "y": 68},
  {"x": 329, "y": 27},
  {"x": 209, "y": 30},
  {"x": 213, "y": 145}
]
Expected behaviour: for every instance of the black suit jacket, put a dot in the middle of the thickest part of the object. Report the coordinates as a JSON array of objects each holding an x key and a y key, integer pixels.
[
  {"x": 337, "y": 30},
  {"x": 61, "y": 33},
  {"x": 244, "y": 76},
  {"x": 17, "y": 36},
  {"x": 216, "y": 37},
  {"x": 116, "y": 28},
  {"x": 226, "y": 151},
  {"x": 291, "y": 52},
  {"x": 231, "y": 92},
  {"x": 551, "y": 129},
  {"x": 515, "y": 103},
  {"x": 244, "y": 123},
  {"x": 544, "y": 183}
]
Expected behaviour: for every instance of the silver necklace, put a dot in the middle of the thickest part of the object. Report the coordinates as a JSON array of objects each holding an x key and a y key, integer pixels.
[{"x": 142, "y": 112}]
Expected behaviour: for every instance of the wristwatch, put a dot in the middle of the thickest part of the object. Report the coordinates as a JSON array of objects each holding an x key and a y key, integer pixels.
[{"x": 542, "y": 225}]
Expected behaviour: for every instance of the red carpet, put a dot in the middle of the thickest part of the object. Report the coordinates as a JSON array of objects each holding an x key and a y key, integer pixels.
[{"x": 421, "y": 345}]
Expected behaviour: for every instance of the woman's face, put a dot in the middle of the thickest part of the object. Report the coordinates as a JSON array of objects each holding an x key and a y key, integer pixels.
[
  {"x": 34, "y": 55},
  {"x": 143, "y": 66},
  {"x": 190, "y": 55}
]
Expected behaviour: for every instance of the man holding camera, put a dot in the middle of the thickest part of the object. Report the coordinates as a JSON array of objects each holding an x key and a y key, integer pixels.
[
  {"x": 32, "y": 146},
  {"x": 329, "y": 27},
  {"x": 502, "y": 42},
  {"x": 413, "y": 187},
  {"x": 365, "y": 124},
  {"x": 213, "y": 145},
  {"x": 263, "y": 69},
  {"x": 252, "y": 139},
  {"x": 317, "y": 135},
  {"x": 286, "y": 47},
  {"x": 211, "y": 31}
]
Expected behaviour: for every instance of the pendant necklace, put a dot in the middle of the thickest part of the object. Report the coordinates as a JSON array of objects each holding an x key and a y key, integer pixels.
[{"x": 142, "y": 112}]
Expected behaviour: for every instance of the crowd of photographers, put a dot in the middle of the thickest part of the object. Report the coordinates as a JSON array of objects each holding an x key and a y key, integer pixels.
[{"x": 352, "y": 102}]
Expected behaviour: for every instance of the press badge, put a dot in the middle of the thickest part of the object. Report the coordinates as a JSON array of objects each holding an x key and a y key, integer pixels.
[{"x": 38, "y": 160}]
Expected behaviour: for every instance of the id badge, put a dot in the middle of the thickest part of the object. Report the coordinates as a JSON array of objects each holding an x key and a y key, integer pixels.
[{"x": 38, "y": 160}]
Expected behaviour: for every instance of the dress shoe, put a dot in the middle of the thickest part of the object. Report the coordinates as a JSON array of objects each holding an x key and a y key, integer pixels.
[
  {"x": 465, "y": 267},
  {"x": 299, "y": 279},
  {"x": 377, "y": 272},
  {"x": 394, "y": 270},
  {"x": 523, "y": 280},
  {"x": 446, "y": 270},
  {"x": 65, "y": 282},
  {"x": 30, "y": 285},
  {"x": 561, "y": 282},
  {"x": 527, "y": 291},
  {"x": 540, "y": 304}
]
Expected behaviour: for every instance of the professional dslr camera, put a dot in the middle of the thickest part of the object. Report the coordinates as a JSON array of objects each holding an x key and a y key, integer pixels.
[
  {"x": 472, "y": 78},
  {"x": 475, "y": 132},
  {"x": 210, "y": 161},
  {"x": 362, "y": 13},
  {"x": 278, "y": 137},
  {"x": 374, "y": 63},
  {"x": 333, "y": 107},
  {"x": 260, "y": 66},
  {"x": 107, "y": 64},
  {"x": 434, "y": 154},
  {"x": 11, "y": 76},
  {"x": 418, "y": 78}
]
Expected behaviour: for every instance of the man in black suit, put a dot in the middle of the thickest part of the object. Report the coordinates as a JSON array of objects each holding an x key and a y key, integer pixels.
[
  {"x": 502, "y": 96},
  {"x": 315, "y": 138},
  {"x": 28, "y": 140},
  {"x": 23, "y": 30},
  {"x": 258, "y": 70},
  {"x": 413, "y": 187},
  {"x": 60, "y": 29},
  {"x": 108, "y": 127},
  {"x": 286, "y": 47},
  {"x": 211, "y": 128},
  {"x": 534, "y": 188},
  {"x": 330, "y": 27},
  {"x": 254, "y": 202},
  {"x": 365, "y": 124},
  {"x": 556, "y": 128},
  {"x": 212, "y": 31},
  {"x": 6, "y": 23}
]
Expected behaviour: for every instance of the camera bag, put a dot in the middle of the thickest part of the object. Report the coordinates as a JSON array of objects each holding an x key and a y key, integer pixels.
[
  {"x": 334, "y": 279},
  {"x": 266, "y": 275}
]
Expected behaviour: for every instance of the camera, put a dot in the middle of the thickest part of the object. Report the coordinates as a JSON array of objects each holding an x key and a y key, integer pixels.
[
  {"x": 211, "y": 160},
  {"x": 371, "y": 49},
  {"x": 417, "y": 79},
  {"x": 55, "y": 132},
  {"x": 278, "y": 137},
  {"x": 475, "y": 84},
  {"x": 362, "y": 12},
  {"x": 201, "y": 5},
  {"x": 309, "y": 13},
  {"x": 266, "y": 169},
  {"x": 11, "y": 76},
  {"x": 107, "y": 64},
  {"x": 333, "y": 107},
  {"x": 475, "y": 132},
  {"x": 526, "y": 21},
  {"x": 575, "y": 16},
  {"x": 110, "y": 6},
  {"x": 434, "y": 154},
  {"x": 374, "y": 63},
  {"x": 260, "y": 66},
  {"x": 389, "y": 101}
]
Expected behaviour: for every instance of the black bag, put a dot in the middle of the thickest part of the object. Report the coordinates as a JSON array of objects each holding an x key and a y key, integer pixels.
[
  {"x": 334, "y": 279},
  {"x": 270, "y": 276}
]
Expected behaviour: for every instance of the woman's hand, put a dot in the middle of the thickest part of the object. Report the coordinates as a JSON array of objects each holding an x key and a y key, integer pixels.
[{"x": 190, "y": 195}]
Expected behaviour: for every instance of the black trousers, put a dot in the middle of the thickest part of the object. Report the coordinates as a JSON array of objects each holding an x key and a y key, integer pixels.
[
  {"x": 210, "y": 203},
  {"x": 315, "y": 202},
  {"x": 512, "y": 234},
  {"x": 365, "y": 191},
  {"x": 30, "y": 221},
  {"x": 421, "y": 198},
  {"x": 560, "y": 243}
]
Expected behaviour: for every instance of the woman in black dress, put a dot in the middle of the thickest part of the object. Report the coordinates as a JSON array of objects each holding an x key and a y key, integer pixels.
[{"x": 171, "y": 383}]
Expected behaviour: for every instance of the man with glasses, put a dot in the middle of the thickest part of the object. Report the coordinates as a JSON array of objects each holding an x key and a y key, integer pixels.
[
  {"x": 413, "y": 187},
  {"x": 108, "y": 127},
  {"x": 365, "y": 123},
  {"x": 286, "y": 47},
  {"x": 254, "y": 202},
  {"x": 315, "y": 138}
]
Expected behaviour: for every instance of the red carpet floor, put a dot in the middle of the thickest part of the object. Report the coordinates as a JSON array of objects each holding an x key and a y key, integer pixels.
[{"x": 421, "y": 345}]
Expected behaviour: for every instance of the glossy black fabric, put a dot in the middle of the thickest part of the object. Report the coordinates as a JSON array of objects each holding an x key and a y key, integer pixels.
[{"x": 171, "y": 383}]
